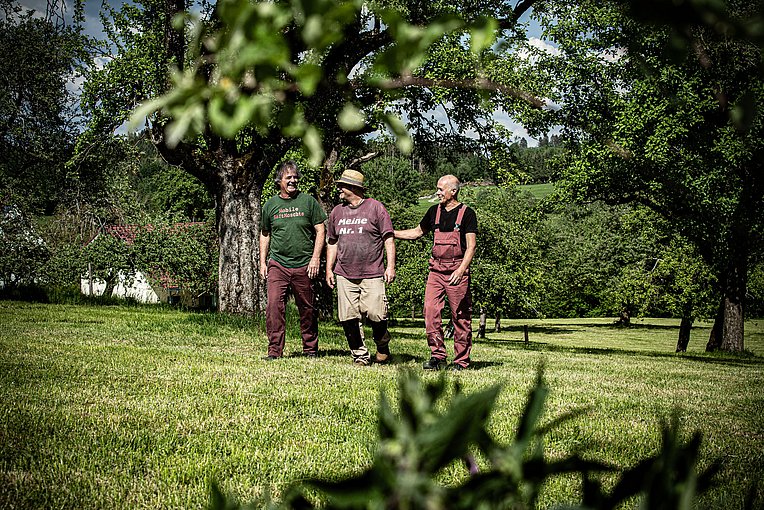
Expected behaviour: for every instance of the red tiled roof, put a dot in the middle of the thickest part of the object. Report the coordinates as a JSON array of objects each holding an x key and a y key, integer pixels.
[{"x": 125, "y": 233}]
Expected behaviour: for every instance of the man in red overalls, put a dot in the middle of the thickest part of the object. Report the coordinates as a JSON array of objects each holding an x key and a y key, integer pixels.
[{"x": 455, "y": 230}]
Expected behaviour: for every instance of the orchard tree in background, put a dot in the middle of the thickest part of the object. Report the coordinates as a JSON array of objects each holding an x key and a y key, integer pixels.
[
  {"x": 23, "y": 253},
  {"x": 392, "y": 180},
  {"x": 181, "y": 255},
  {"x": 586, "y": 249},
  {"x": 110, "y": 260},
  {"x": 668, "y": 115},
  {"x": 508, "y": 269},
  {"x": 685, "y": 286},
  {"x": 37, "y": 115}
]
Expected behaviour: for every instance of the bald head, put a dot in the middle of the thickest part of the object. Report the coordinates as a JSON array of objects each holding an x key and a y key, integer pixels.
[{"x": 450, "y": 182}]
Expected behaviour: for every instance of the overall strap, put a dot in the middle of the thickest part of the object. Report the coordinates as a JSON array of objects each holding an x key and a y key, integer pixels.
[
  {"x": 459, "y": 217},
  {"x": 437, "y": 218}
]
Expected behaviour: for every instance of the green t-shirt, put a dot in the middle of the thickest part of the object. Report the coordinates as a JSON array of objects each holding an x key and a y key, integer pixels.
[{"x": 291, "y": 226}]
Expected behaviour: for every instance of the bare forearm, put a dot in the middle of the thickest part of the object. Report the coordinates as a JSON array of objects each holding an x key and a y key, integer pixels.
[
  {"x": 409, "y": 234},
  {"x": 390, "y": 252},
  {"x": 318, "y": 244},
  {"x": 265, "y": 242},
  {"x": 331, "y": 256},
  {"x": 469, "y": 253}
]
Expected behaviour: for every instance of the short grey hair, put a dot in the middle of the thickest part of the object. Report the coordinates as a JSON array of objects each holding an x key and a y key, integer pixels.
[{"x": 287, "y": 165}]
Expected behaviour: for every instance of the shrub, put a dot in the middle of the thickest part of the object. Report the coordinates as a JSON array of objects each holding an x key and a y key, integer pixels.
[{"x": 22, "y": 252}]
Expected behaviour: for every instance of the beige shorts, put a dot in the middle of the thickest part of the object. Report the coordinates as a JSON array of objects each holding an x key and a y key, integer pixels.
[{"x": 357, "y": 297}]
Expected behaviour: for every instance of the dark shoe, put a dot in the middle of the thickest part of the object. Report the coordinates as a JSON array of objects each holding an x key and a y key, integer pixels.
[
  {"x": 458, "y": 368},
  {"x": 361, "y": 363},
  {"x": 382, "y": 359},
  {"x": 433, "y": 364},
  {"x": 310, "y": 354},
  {"x": 270, "y": 358}
]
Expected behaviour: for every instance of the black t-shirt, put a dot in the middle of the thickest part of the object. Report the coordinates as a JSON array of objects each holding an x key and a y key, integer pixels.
[{"x": 448, "y": 221}]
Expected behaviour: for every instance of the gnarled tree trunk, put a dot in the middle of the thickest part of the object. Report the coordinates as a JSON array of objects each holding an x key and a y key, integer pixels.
[
  {"x": 728, "y": 331},
  {"x": 715, "y": 336},
  {"x": 238, "y": 224},
  {"x": 734, "y": 298}
]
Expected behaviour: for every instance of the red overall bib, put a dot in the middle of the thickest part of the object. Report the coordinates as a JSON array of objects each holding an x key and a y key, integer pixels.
[{"x": 447, "y": 251}]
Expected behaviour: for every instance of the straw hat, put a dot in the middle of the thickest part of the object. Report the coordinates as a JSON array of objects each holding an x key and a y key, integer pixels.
[{"x": 351, "y": 178}]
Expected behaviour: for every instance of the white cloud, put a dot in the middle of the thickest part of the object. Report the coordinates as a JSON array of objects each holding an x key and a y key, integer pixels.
[
  {"x": 536, "y": 46},
  {"x": 544, "y": 46},
  {"x": 100, "y": 62},
  {"x": 39, "y": 6}
]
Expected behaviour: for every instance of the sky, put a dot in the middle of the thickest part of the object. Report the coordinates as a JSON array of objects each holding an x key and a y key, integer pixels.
[
  {"x": 65, "y": 9},
  {"x": 94, "y": 28}
]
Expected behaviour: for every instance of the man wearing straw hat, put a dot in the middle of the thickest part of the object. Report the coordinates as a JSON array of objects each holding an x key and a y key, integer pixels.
[{"x": 359, "y": 231}]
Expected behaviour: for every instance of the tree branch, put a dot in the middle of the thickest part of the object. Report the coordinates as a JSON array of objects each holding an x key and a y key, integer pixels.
[
  {"x": 477, "y": 83},
  {"x": 520, "y": 9},
  {"x": 363, "y": 159}
]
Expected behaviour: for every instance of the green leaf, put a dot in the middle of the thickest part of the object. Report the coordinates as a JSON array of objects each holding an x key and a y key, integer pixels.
[
  {"x": 292, "y": 121},
  {"x": 449, "y": 437},
  {"x": 534, "y": 407},
  {"x": 403, "y": 139},
  {"x": 145, "y": 110},
  {"x": 308, "y": 76},
  {"x": 351, "y": 118},
  {"x": 483, "y": 34},
  {"x": 313, "y": 146},
  {"x": 189, "y": 120}
]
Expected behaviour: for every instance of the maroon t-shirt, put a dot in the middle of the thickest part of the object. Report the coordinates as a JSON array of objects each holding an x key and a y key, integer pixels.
[{"x": 360, "y": 234}]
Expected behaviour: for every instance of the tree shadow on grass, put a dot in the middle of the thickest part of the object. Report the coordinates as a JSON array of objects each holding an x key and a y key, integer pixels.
[
  {"x": 218, "y": 319},
  {"x": 408, "y": 336},
  {"x": 741, "y": 360},
  {"x": 745, "y": 359},
  {"x": 557, "y": 328},
  {"x": 477, "y": 365},
  {"x": 540, "y": 330},
  {"x": 397, "y": 358},
  {"x": 569, "y": 327},
  {"x": 407, "y": 323}
]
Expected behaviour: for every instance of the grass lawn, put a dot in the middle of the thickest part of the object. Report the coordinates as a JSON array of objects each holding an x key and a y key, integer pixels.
[
  {"x": 141, "y": 407},
  {"x": 538, "y": 191}
]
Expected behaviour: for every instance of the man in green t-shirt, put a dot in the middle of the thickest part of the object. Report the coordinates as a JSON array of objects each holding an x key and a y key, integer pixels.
[{"x": 292, "y": 232}]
